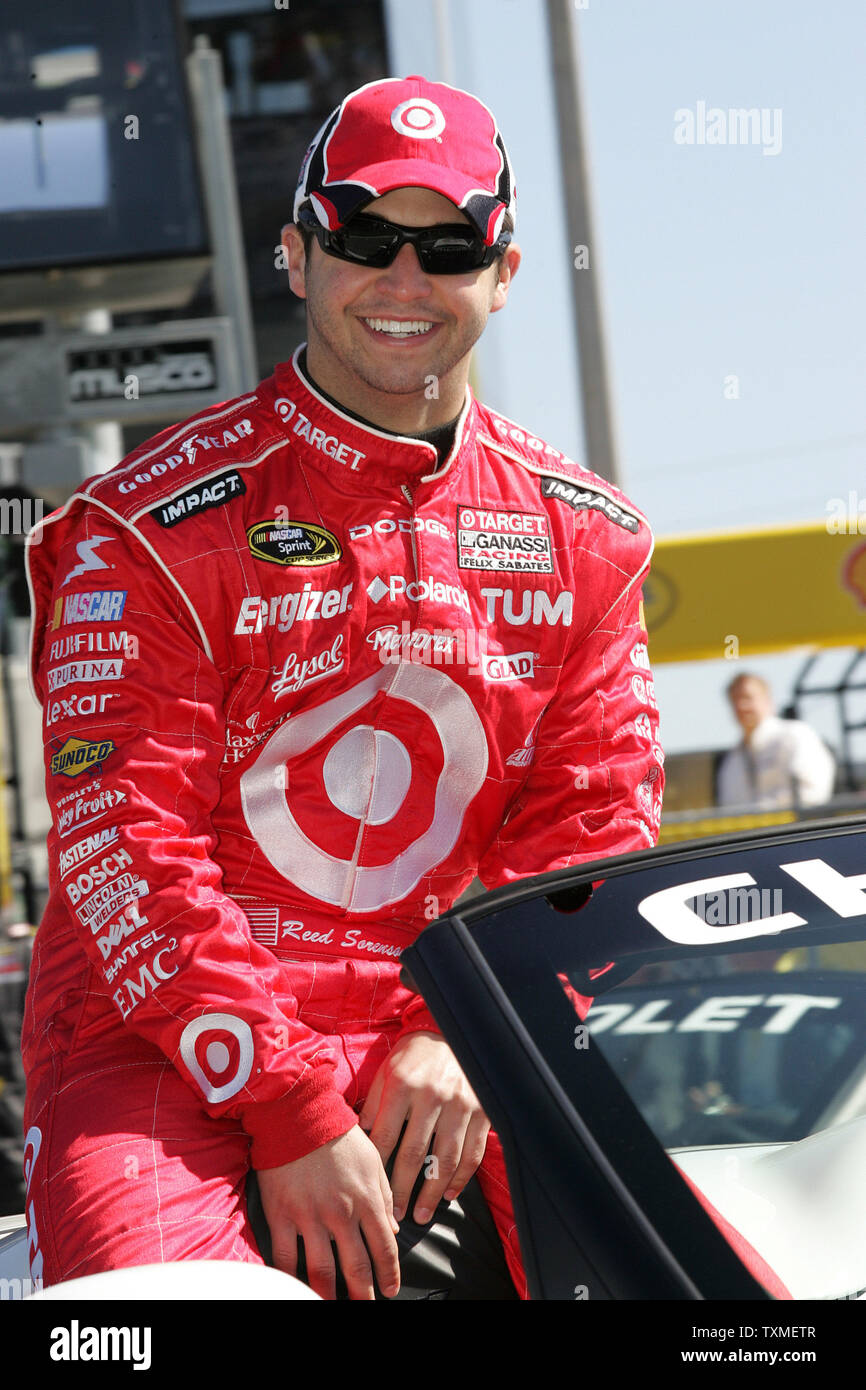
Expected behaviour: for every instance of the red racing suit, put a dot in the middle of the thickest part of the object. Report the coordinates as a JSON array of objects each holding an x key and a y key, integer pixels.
[{"x": 298, "y": 690}]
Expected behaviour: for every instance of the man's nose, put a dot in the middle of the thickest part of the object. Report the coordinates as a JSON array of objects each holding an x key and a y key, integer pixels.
[{"x": 404, "y": 276}]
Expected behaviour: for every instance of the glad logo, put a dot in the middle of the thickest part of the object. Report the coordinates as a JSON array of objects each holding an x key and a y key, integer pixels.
[
  {"x": 419, "y": 118},
  {"x": 518, "y": 666}
]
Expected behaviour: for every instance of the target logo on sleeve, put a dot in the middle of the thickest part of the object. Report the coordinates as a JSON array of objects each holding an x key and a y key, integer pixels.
[{"x": 218, "y": 1051}]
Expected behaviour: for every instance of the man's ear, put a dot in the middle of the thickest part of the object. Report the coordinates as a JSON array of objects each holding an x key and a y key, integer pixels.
[
  {"x": 507, "y": 268},
  {"x": 296, "y": 259}
]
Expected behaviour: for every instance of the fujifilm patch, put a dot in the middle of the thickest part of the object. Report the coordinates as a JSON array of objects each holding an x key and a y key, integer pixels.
[
  {"x": 495, "y": 540},
  {"x": 586, "y": 499},
  {"x": 212, "y": 493}
]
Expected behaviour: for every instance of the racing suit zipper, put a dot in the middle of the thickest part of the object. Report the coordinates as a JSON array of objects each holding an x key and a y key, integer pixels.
[{"x": 406, "y": 491}]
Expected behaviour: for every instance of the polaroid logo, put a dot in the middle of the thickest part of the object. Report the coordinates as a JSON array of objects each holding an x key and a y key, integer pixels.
[
  {"x": 94, "y": 606},
  {"x": 523, "y": 606},
  {"x": 282, "y": 611},
  {"x": 399, "y": 587},
  {"x": 737, "y": 126},
  {"x": 77, "y": 1343}
]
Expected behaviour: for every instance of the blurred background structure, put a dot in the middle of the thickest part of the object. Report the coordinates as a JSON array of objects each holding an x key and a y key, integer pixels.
[{"x": 687, "y": 319}]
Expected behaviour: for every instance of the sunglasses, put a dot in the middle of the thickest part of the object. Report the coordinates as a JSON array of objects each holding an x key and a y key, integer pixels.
[{"x": 370, "y": 241}]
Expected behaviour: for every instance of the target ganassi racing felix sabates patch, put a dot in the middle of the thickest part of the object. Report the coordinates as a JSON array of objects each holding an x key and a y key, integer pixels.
[{"x": 490, "y": 539}]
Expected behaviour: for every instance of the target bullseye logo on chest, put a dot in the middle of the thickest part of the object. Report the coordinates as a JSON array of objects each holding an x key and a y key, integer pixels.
[{"x": 355, "y": 800}]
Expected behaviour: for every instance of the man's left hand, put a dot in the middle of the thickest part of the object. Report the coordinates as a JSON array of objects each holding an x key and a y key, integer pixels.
[{"x": 421, "y": 1086}]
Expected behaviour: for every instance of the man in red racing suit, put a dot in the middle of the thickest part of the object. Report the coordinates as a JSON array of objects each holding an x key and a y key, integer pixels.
[{"x": 300, "y": 685}]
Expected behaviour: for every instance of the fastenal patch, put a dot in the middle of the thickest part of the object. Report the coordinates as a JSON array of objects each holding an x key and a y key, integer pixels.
[
  {"x": 586, "y": 499},
  {"x": 493, "y": 540},
  {"x": 293, "y": 543},
  {"x": 79, "y": 755},
  {"x": 213, "y": 493}
]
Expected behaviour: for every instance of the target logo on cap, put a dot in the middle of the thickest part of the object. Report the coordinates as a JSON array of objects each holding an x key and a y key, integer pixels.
[{"x": 419, "y": 118}]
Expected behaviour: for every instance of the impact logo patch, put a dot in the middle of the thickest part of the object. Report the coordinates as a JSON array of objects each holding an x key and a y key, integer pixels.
[
  {"x": 213, "y": 493},
  {"x": 586, "y": 499},
  {"x": 498, "y": 540},
  {"x": 80, "y": 755},
  {"x": 293, "y": 543}
]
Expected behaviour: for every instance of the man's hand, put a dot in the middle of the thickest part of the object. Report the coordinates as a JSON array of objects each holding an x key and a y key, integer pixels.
[
  {"x": 420, "y": 1085},
  {"x": 338, "y": 1192}
]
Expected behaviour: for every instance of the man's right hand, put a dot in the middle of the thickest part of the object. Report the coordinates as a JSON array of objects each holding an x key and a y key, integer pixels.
[{"x": 339, "y": 1193}]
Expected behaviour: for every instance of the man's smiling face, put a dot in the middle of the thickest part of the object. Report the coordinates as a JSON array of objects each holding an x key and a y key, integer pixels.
[{"x": 376, "y": 338}]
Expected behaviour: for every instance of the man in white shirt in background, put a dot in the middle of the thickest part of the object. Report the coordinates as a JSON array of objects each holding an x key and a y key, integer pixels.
[{"x": 779, "y": 762}]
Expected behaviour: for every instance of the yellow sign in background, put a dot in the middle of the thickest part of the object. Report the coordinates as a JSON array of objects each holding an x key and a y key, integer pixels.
[{"x": 765, "y": 590}]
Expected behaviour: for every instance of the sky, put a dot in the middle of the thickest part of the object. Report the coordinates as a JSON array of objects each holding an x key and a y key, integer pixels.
[
  {"x": 720, "y": 261},
  {"x": 732, "y": 274}
]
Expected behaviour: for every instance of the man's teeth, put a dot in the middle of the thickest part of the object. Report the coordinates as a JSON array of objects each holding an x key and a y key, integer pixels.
[{"x": 400, "y": 328}]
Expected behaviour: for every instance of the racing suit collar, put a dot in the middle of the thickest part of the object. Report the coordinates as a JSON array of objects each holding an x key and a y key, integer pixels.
[{"x": 365, "y": 457}]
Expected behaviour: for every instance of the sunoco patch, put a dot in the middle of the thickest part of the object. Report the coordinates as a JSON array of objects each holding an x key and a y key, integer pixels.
[
  {"x": 80, "y": 755},
  {"x": 499, "y": 540},
  {"x": 587, "y": 499},
  {"x": 212, "y": 493},
  {"x": 293, "y": 543}
]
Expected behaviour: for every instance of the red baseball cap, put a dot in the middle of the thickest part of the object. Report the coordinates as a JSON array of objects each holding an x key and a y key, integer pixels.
[{"x": 408, "y": 133}]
